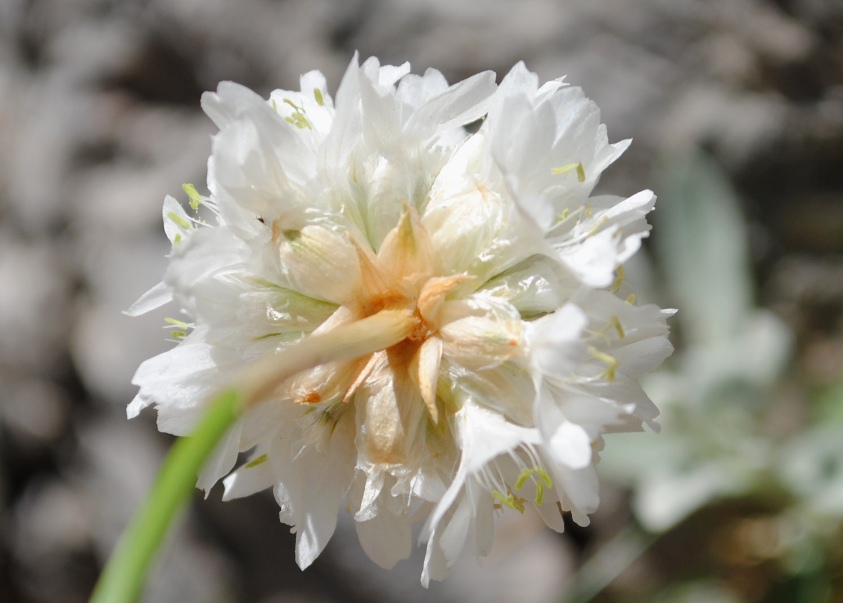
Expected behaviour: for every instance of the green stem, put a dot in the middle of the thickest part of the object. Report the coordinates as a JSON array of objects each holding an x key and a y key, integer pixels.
[{"x": 123, "y": 577}]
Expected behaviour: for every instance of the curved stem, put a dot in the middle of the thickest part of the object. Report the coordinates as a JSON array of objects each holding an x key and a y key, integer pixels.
[
  {"x": 123, "y": 577},
  {"x": 125, "y": 573}
]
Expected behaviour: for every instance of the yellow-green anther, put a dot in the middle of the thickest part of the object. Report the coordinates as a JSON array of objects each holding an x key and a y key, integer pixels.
[
  {"x": 564, "y": 169},
  {"x": 500, "y": 498},
  {"x": 177, "y": 239},
  {"x": 621, "y": 275},
  {"x": 539, "y": 493},
  {"x": 522, "y": 479},
  {"x": 593, "y": 230},
  {"x": 178, "y": 334},
  {"x": 510, "y": 501},
  {"x": 564, "y": 215},
  {"x": 631, "y": 299},
  {"x": 193, "y": 196},
  {"x": 176, "y": 322},
  {"x": 298, "y": 120},
  {"x": 317, "y": 94},
  {"x": 258, "y": 461},
  {"x": 544, "y": 477},
  {"x": 616, "y": 323},
  {"x": 610, "y": 361},
  {"x": 179, "y": 220}
]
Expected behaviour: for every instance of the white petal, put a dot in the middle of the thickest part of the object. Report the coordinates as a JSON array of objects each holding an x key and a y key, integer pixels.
[
  {"x": 156, "y": 297},
  {"x": 137, "y": 404},
  {"x": 550, "y": 514},
  {"x": 460, "y": 104},
  {"x": 555, "y": 341},
  {"x": 197, "y": 262},
  {"x": 177, "y": 224},
  {"x": 230, "y": 101},
  {"x": 473, "y": 228},
  {"x": 455, "y": 531},
  {"x": 221, "y": 460},
  {"x": 386, "y": 539},
  {"x": 577, "y": 491},
  {"x": 643, "y": 356},
  {"x": 416, "y": 90},
  {"x": 310, "y": 488},
  {"x": 570, "y": 445},
  {"x": 482, "y": 435},
  {"x": 595, "y": 259},
  {"x": 252, "y": 477},
  {"x": 181, "y": 378}
]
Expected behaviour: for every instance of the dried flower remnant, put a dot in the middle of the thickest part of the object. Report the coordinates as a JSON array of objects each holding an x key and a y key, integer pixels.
[{"x": 511, "y": 349}]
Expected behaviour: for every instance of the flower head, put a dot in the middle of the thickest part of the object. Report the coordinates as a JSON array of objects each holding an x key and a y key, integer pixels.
[{"x": 501, "y": 273}]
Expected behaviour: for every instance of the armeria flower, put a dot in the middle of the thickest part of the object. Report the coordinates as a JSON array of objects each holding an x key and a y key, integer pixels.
[{"x": 510, "y": 352}]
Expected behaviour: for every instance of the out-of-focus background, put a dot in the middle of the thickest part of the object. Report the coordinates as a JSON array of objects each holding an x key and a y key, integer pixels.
[{"x": 736, "y": 108}]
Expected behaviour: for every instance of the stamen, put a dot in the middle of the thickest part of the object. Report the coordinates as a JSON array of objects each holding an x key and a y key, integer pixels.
[
  {"x": 563, "y": 216},
  {"x": 614, "y": 321},
  {"x": 564, "y": 169},
  {"x": 258, "y": 461},
  {"x": 511, "y": 501},
  {"x": 193, "y": 195},
  {"x": 593, "y": 230},
  {"x": 179, "y": 220},
  {"x": 610, "y": 361},
  {"x": 297, "y": 118},
  {"x": 621, "y": 275},
  {"x": 544, "y": 477},
  {"x": 178, "y": 328},
  {"x": 522, "y": 479}
]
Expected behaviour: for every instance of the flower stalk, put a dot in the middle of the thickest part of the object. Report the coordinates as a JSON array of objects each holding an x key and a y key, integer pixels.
[
  {"x": 124, "y": 575},
  {"x": 123, "y": 578}
]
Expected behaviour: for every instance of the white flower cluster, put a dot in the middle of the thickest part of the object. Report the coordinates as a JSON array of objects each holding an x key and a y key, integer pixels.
[{"x": 524, "y": 349}]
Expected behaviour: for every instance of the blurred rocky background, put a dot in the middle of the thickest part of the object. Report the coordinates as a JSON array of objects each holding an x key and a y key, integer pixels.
[{"x": 99, "y": 119}]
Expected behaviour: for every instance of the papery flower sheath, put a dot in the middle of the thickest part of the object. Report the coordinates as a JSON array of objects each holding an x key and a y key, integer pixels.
[{"x": 519, "y": 344}]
